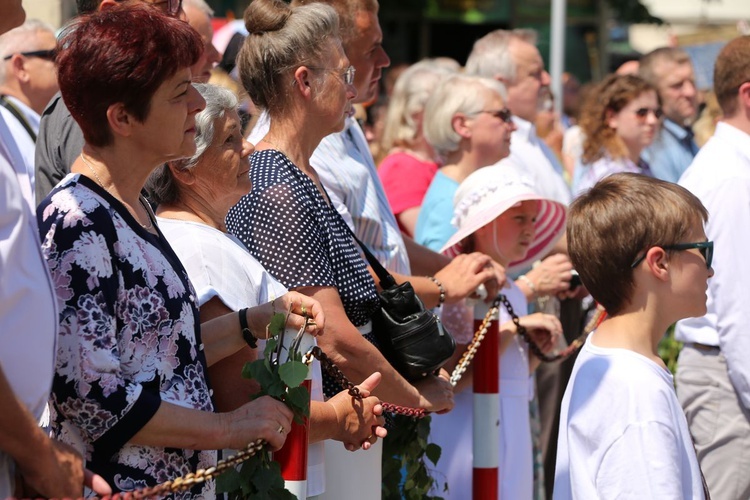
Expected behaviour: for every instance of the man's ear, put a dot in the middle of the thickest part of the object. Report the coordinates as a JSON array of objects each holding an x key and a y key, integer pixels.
[
  {"x": 657, "y": 262},
  {"x": 18, "y": 68},
  {"x": 743, "y": 95}
]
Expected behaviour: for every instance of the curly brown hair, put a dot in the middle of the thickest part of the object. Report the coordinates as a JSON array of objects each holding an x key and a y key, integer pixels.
[{"x": 610, "y": 96}]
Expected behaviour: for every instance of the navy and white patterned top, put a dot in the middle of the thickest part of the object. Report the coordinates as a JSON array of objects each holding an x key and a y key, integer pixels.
[
  {"x": 301, "y": 240},
  {"x": 129, "y": 337}
]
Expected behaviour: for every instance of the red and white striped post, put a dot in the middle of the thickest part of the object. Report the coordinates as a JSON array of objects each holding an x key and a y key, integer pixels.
[
  {"x": 486, "y": 414},
  {"x": 292, "y": 457}
]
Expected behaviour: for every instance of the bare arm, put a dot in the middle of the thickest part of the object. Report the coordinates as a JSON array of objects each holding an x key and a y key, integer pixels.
[
  {"x": 408, "y": 220},
  {"x": 358, "y": 358},
  {"x": 48, "y": 467},
  {"x": 174, "y": 426}
]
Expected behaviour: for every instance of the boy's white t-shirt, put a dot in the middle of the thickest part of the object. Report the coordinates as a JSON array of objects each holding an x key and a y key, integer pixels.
[{"x": 623, "y": 433}]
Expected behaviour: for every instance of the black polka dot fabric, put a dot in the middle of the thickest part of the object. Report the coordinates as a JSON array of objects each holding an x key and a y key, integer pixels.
[{"x": 301, "y": 240}]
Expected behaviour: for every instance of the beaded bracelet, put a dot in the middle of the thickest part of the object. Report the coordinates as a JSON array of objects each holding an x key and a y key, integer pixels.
[
  {"x": 528, "y": 283},
  {"x": 440, "y": 287},
  {"x": 250, "y": 339}
]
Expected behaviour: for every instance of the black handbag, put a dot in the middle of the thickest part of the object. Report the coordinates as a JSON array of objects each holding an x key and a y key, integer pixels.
[{"x": 412, "y": 338}]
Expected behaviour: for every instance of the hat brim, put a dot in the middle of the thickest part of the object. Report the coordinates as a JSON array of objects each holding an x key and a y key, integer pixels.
[{"x": 549, "y": 227}]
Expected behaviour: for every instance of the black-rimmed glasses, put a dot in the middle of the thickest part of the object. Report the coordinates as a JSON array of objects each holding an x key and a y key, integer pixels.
[
  {"x": 504, "y": 114},
  {"x": 706, "y": 248},
  {"x": 42, "y": 54}
]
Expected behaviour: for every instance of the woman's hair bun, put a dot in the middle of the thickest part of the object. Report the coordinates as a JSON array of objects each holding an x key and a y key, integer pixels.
[{"x": 263, "y": 16}]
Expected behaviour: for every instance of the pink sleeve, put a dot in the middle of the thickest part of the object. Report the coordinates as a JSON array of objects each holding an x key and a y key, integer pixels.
[
  {"x": 405, "y": 180},
  {"x": 458, "y": 318}
]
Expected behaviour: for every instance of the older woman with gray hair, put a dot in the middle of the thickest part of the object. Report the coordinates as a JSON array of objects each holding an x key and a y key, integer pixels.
[
  {"x": 193, "y": 196},
  {"x": 410, "y": 165},
  {"x": 468, "y": 125}
]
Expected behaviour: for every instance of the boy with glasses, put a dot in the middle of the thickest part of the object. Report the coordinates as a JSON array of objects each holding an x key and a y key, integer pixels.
[{"x": 639, "y": 246}]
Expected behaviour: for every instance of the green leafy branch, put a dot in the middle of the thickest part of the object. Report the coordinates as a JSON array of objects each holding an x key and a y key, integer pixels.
[{"x": 260, "y": 477}]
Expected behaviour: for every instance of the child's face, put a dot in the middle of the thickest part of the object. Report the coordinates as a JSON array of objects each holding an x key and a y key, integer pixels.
[
  {"x": 690, "y": 277},
  {"x": 508, "y": 237}
]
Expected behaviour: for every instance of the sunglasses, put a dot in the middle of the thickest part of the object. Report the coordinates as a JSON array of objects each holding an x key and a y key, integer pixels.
[
  {"x": 42, "y": 54},
  {"x": 642, "y": 113},
  {"x": 504, "y": 114},
  {"x": 347, "y": 75},
  {"x": 706, "y": 249}
]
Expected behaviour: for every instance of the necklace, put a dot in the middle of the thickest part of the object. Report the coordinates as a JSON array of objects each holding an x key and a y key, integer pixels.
[{"x": 99, "y": 181}]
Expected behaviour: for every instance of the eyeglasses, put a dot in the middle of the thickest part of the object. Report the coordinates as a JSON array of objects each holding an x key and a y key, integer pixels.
[
  {"x": 173, "y": 6},
  {"x": 642, "y": 113},
  {"x": 504, "y": 114},
  {"x": 42, "y": 54},
  {"x": 706, "y": 248},
  {"x": 347, "y": 75}
]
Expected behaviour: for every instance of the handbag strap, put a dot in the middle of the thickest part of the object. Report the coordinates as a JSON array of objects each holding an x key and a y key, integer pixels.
[{"x": 386, "y": 279}]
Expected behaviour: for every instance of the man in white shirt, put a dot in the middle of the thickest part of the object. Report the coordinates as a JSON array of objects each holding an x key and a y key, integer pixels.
[
  {"x": 28, "y": 329},
  {"x": 27, "y": 83},
  {"x": 512, "y": 58},
  {"x": 713, "y": 373}
]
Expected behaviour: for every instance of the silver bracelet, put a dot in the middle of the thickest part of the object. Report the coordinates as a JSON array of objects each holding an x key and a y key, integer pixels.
[{"x": 528, "y": 283}]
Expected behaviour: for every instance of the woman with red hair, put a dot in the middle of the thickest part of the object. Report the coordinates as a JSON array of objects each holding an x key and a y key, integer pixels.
[{"x": 130, "y": 389}]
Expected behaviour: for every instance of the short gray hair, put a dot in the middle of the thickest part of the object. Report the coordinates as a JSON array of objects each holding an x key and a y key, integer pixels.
[
  {"x": 456, "y": 94},
  {"x": 279, "y": 39},
  {"x": 410, "y": 93},
  {"x": 161, "y": 185},
  {"x": 490, "y": 57},
  {"x": 21, "y": 39}
]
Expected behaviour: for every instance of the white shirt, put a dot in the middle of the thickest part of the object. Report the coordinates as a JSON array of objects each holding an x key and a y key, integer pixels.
[
  {"x": 25, "y": 144},
  {"x": 720, "y": 177},
  {"x": 532, "y": 157},
  {"x": 622, "y": 432},
  {"x": 28, "y": 305},
  {"x": 346, "y": 168},
  {"x": 219, "y": 265}
]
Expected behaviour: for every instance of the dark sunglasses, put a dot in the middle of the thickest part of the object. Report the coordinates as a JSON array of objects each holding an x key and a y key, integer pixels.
[
  {"x": 504, "y": 114},
  {"x": 706, "y": 248},
  {"x": 642, "y": 113},
  {"x": 42, "y": 54}
]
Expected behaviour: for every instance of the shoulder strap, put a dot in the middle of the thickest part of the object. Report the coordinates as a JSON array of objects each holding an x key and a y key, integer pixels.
[
  {"x": 386, "y": 279},
  {"x": 17, "y": 114}
]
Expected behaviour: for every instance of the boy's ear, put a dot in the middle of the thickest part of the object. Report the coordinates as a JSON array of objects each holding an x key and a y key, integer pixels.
[{"x": 658, "y": 263}]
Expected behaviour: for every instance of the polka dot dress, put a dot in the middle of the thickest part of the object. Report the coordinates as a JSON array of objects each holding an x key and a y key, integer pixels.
[{"x": 301, "y": 240}]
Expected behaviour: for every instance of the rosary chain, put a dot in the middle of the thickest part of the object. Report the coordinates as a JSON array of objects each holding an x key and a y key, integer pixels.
[{"x": 338, "y": 376}]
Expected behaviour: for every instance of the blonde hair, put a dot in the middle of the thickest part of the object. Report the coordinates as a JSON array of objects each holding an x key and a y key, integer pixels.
[
  {"x": 456, "y": 94},
  {"x": 410, "y": 94}
]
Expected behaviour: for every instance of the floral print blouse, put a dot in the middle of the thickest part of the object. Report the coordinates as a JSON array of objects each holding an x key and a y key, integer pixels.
[{"x": 128, "y": 339}]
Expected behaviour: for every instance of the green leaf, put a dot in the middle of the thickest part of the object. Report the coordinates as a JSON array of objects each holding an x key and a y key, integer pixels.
[
  {"x": 278, "y": 321},
  {"x": 299, "y": 399},
  {"x": 293, "y": 373},
  {"x": 276, "y": 388},
  {"x": 259, "y": 372},
  {"x": 433, "y": 452},
  {"x": 229, "y": 480}
]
